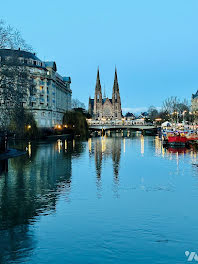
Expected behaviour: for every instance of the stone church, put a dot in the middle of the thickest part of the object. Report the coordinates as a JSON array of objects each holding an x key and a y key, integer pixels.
[{"x": 100, "y": 107}]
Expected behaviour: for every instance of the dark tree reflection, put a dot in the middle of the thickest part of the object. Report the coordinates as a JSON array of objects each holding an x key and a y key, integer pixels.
[{"x": 30, "y": 188}]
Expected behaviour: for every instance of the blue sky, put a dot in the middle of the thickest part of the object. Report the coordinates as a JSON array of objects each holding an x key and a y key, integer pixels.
[{"x": 153, "y": 43}]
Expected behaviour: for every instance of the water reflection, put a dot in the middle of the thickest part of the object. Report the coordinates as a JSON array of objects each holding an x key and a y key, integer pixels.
[
  {"x": 102, "y": 149},
  {"x": 173, "y": 152},
  {"x": 30, "y": 186},
  {"x": 3, "y": 166}
]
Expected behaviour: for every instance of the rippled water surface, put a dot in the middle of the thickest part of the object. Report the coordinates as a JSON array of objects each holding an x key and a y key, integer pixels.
[{"x": 108, "y": 200}]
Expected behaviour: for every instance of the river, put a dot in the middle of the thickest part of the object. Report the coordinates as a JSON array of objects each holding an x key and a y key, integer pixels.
[{"x": 106, "y": 200}]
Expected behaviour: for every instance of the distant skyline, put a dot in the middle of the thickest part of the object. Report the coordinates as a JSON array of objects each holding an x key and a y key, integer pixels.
[{"x": 154, "y": 45}]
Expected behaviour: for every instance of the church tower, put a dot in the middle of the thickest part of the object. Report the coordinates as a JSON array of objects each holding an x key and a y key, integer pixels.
[
  {"x": 98, "y": 98},
  {"x": 116, "y": 101}
]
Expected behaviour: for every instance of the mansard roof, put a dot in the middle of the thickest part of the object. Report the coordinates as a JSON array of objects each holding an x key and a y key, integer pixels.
[
  {"x": 51, "y": 64},
  {"x": 67, "y": 79},
  {"x": 18, "y": 53}
]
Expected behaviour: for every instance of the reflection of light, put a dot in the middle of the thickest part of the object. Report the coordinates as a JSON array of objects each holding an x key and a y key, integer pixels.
[
  {"x": 59, "y": 142},
  {"x": 29, "y": 149},
  {"x": 158, "y": 145},
  {"x": 124, "y": 144},
  {"x": 103, "y": 145},
  {"x": 89, "y": 143},
  {"x": 65, "y": 144},
  {"x": 73, "y": 143},
  {"x": 177, "y": 158},
  {"x": 128, "y": 133},
  {"x": 163, "y": 152},
  {"x": 142, "y": 144}
]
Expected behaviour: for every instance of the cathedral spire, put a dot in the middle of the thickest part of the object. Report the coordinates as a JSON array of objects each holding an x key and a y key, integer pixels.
[
  {"x": 98, "y": 85},
  {"x": 115, "y": 85},
  {"x": 116, "y": 76},
  {"x": 98, "y": 74}
]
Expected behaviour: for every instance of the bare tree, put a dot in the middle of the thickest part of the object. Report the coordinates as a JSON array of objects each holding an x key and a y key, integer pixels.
[
  {"x": 174, "y": 104},
  {"x": 10, "y": 38},
  {"x": 16, "y": 89},
  {"x": 152, "y": 113},
  {"x": 77, "y": 104}
]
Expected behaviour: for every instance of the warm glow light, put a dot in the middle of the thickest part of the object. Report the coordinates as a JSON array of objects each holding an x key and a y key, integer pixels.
[
  {"x": 29, "y": 126},
  {"x": 58, "y": 126},
  {"x": 29, "y": 150},
  {"x": 59, "y": 145},
  {"x": 90, "y": 144},
  {"x": 142, "y": 145},
  {"x": 65, "y": 144}
]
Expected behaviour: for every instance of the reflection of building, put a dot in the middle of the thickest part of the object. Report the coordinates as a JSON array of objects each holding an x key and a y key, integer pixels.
[
  {"x": 104, "y": 148},
  {"x": 104, "y": 107},
  {"x": 31, "y": 187},
  {"x": 52, "y": 94}
]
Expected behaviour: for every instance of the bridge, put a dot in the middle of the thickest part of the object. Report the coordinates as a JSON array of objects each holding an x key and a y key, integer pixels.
[{"x": 97, "y": 127}]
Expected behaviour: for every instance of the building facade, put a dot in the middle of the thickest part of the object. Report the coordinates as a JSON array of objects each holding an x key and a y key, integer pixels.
[
  {"x": 52, "y": 94},
  {"x": 105, "y": 108}
]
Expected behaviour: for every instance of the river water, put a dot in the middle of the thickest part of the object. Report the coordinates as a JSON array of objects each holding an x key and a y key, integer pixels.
[{"x": 109, "y": 200}]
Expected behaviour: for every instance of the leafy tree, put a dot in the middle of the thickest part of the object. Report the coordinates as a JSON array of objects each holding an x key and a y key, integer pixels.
[
  {"x": 76, "y": 122},
  {"x": 22, "y": 123}
]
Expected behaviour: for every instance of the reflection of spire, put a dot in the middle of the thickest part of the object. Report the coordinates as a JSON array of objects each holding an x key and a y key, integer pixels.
[
  {"x": 98, "y": 158},
  {"x": 116, "y": 153},
  {"x": 98, "y": 163}
]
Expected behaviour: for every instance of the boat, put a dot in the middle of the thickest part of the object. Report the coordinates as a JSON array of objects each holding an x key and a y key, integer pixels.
[{"x": 177, "y": 140}]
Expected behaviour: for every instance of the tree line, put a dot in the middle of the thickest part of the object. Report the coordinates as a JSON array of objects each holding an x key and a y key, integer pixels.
[{"x": 173, "y": 109}]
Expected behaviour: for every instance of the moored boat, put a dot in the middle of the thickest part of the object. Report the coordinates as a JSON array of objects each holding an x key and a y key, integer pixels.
[{"x": 177, "y": 140}]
